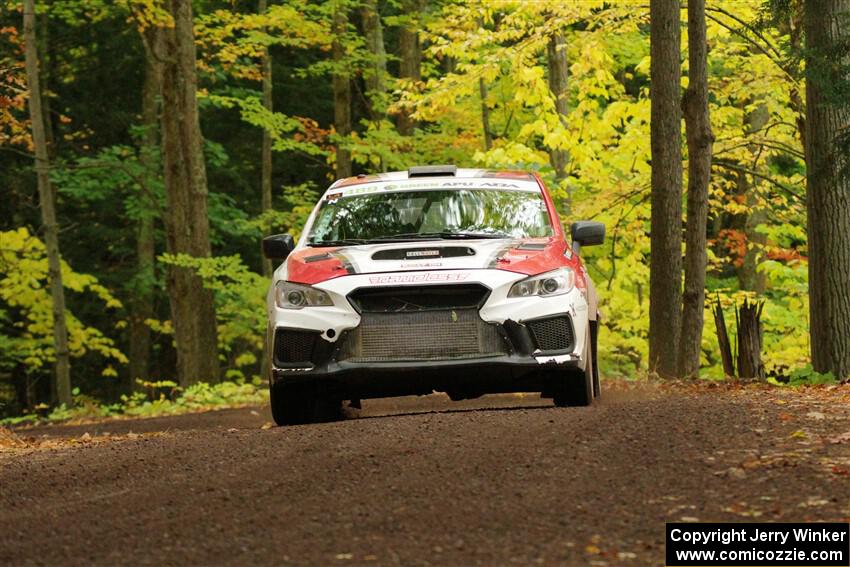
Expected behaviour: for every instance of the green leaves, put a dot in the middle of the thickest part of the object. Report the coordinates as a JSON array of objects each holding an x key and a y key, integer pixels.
[
  {"x": 26, "y": 308},
  {"x": 240, "y": 305},
  {"x": 235, "y": 42}
]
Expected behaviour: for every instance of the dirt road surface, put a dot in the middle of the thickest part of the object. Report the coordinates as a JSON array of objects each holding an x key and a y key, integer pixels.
[{"x": 503, "y": 480}]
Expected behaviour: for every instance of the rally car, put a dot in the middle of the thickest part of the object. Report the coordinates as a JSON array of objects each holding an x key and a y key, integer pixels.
[{"x": 431, "y": 279}]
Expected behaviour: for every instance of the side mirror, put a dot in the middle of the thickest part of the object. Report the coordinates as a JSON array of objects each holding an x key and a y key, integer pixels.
[
  {"x": 587, "y": 233},
  {"x": 278, "y": 247}
]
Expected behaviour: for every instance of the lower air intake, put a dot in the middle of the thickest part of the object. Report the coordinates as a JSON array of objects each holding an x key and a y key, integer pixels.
[
  {"x": 294, "y": 348},
  {"x": 552, "y": 333},
  {"x": 448, "y": 334}
]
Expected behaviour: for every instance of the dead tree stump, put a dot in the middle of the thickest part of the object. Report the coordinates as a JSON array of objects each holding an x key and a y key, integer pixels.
[
  {"x": 748, "y": 318},
  {"x": 723, "y": 339},
  {"x": 748, "y": 340}
]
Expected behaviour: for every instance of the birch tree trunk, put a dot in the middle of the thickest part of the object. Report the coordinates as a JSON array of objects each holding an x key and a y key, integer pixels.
[
  {"x": 665, "y": 271},
  {"x": 698, "y": 131},
  {"x": 827, "y": 30},
  {"x": 342, "y": 94},
  {"x": 61, "y": 389},
  {"x": 186, "y": 222}
]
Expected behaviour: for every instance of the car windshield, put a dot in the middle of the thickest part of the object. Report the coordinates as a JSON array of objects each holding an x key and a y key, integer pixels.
[{"x": 456, "y": 213}]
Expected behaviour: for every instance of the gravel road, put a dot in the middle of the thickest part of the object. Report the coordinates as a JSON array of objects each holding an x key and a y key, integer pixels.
[{"x": 423, "y": 481}]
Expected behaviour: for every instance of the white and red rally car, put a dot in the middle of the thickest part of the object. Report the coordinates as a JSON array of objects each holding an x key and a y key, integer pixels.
[{"x": 431, "y": 279}]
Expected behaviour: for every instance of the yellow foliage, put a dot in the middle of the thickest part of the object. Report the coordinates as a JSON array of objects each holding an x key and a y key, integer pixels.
[{"x": 26, "y": 305}]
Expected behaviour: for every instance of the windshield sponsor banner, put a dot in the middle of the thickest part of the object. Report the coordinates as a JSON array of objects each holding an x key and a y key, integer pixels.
[
  {"x": 758, "y": 544},
  {"x": 435, "y": 185}
]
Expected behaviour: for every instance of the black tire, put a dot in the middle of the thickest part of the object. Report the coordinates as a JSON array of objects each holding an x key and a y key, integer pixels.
[
  {"x": 575, "y": 387},
  {"x": 594, "y": 330},
  {"x": 296, "y": 404}
]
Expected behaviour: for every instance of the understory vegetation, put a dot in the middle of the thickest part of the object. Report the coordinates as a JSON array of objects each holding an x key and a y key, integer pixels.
[{"x": 151, "y": 399}]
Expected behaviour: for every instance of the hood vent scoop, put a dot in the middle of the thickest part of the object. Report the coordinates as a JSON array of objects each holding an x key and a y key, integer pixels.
[{"x": 424, "y": 253}]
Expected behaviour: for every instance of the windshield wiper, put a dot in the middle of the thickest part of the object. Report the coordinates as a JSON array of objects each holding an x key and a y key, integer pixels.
[
  {"x": 341, "y": 242},
  {"x": 444, "y": 235}
]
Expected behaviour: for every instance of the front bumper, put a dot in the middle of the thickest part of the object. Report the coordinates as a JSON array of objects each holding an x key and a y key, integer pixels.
[{"x": 523, "y": 367}]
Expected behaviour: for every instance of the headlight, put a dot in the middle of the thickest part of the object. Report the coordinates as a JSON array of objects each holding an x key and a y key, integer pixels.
[
  {"x": 556, "y": 282},
  {"x": 289, "y": 295}
]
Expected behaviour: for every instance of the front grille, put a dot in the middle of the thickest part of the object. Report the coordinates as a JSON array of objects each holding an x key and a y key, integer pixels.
[
  {"x": 446, "y": 334},
  {"x": 294, "y": 348},
  {"x": 553, "y": 333}
]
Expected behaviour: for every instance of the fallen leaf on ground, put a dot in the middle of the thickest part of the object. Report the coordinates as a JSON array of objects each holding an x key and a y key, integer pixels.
[{"x": 840, "y": 438}]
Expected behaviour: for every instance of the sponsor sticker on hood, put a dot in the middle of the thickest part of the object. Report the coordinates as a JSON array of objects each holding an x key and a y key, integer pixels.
[
  {"x": 391, "y": 279},
  {"x": 421, "y": 253}
]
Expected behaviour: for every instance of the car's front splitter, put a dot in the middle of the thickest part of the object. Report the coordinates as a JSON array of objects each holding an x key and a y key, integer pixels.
[{"x": 471, "y": 377}]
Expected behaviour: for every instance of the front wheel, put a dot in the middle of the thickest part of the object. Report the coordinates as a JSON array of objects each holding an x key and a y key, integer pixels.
[
  {"x": 575, "y": 388},
  {"x": 297, "y": 404}
]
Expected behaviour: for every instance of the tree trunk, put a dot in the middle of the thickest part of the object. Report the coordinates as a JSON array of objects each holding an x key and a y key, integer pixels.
[
  {"x": 342, "y": 94},
  {"x": 266, "y": 156},
  {"x": 485, "y": 114},
  {"x": 45, "y": 74},
  {"x": 558, "y": 75},
  {"x": 749, "y": 278},
  {"x": 61, "y": 389},
  {"x": 796, "y": 24},
  {"x": 410, "y": 66},
  {"x": 485, "y": 110},
  {"x": 449, "y": 64},
  {"x": 698, "y": 130},
  {"x": 186, "y": 222},
  {"x": 375, "y": 74},
  {"x": 665, "y": 272},
  {"x": 828, "y": 185},
  {"x": 141, "y": 304}
]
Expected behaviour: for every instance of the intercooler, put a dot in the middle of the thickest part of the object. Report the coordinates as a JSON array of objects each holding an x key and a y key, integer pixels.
[
  {"x": 421, "y": 323},
  {"x": 422, "y": 335}
]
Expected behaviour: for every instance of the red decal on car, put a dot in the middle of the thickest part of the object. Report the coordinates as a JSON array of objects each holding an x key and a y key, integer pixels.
[{"x": 313, "y": 265}]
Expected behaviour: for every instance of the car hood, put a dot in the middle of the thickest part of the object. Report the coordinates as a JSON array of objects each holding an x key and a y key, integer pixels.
[{"x": 311, "y": 265}]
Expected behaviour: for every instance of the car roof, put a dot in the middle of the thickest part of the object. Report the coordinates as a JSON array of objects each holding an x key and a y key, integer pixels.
[{"x": 447, "y": 176}]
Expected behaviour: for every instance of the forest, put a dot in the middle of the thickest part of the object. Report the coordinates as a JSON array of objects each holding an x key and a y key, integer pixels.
[{"x": 146, "y": 147}]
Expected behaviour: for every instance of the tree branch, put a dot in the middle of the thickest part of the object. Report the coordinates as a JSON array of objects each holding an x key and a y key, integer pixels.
[{"x": 741, "y": 169}]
